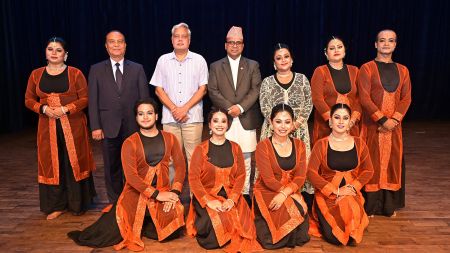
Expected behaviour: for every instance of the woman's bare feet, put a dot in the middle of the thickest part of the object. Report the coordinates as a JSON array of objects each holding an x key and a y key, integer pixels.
[{"x": 54, "y": 215}]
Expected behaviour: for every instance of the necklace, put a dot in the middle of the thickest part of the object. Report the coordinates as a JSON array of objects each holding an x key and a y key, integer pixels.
[
  {"x": 338, "y": 139},
  {"x": 218, "y": 143},
  {"x": 56, "y": 68},
  {"x": 281, "y": 144},
  {"x": 337, "y": 68},
  {"x": 285, "y": 75}
]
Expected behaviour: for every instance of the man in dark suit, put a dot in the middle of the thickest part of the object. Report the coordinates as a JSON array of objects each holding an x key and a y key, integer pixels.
[
  {"x": 114, "y": 86},
  {"x": 234, "y": 84}
]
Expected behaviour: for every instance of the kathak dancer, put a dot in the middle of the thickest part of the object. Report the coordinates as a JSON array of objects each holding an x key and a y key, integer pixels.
[{"x": 148, "y": 205}]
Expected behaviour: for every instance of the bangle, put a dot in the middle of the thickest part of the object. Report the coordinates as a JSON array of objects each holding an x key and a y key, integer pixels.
[
  {"x": 337, "y": 196},
  {"x": 283, "y": 194},
  {"x": 231, "y": 201},
  {"x": 62, "y": 109}
]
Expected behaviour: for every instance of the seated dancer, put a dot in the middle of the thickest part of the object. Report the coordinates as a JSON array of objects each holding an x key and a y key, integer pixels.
[
  {"x": 338, "y": 168},
  {"x": 281, "y": 217},
  {"x": 219, "y": 215},
  {"x": 148, "y": 204}
]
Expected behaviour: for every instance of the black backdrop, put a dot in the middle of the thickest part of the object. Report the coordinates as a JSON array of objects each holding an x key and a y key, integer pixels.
[{"x": 422, "y": 28}]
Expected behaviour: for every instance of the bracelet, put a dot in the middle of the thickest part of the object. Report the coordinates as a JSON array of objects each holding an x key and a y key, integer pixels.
[
  {"x": 283, "y": 194},
  {"x": 231, "y": 201},
  {"x": 337, "y": 196},
  {"x": 62, "y": 109}
]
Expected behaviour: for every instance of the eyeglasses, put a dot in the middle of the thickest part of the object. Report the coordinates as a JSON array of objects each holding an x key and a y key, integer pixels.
[
  {"x": 180, "y": 36},
  {"x": 115, "y": 41},
  {"x": 235, "y": 43}
]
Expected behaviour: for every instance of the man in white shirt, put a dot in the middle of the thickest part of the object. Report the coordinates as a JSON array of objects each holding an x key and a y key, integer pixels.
[{"x": 180, "y": 78}]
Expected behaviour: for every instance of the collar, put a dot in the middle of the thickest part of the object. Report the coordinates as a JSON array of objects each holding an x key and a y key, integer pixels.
[
  {"x": 174, "y": 57},
  {"x": 234, "y": 61},
  {"x": 113, "y": 62}
]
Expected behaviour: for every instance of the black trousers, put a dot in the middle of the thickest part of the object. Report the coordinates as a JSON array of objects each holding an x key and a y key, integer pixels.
[{"x": 114, "y": 179}]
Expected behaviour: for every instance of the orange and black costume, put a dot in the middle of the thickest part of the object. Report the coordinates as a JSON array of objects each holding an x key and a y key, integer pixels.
[
  {"x": 65, "y": 160},
  {"x": 137, "y": 212},
  {"x": 339, "y": 220},
  {"x": 217, "y": 172},
  {"x": 385, "y": 92},
  {"x": 330, "y": 87},
  {"x": 288, "y": 226}
]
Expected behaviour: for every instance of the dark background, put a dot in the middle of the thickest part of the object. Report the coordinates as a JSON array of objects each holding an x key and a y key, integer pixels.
[{"x": 422, "y": 28}]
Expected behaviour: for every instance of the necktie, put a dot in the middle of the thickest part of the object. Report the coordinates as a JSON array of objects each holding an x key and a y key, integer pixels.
[{"x": 118, "y": 76}]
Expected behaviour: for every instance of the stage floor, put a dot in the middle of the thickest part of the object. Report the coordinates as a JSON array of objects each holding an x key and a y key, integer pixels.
[{"x": 422, "y": 226}]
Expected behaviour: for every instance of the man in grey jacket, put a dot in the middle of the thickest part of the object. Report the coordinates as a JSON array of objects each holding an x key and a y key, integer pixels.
[{"x": 234, "y": 84}]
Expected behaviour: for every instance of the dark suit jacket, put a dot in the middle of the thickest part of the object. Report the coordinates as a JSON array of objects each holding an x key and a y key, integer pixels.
[
  {"x": 109, "y": 107},
  {"x": 223, "y": 94}
]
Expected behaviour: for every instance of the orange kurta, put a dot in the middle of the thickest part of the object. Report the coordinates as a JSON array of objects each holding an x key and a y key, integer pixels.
[
  {"x": 325, "y": 96},
  {"x": 386, "y": 149},
  {"x": 206, "y": 181},
  {"x": 346, "y": 216},
  {"x": 73, "y": 124},
  {"x": 135, "y": 197},
  {"x": 272, "y": 180}
]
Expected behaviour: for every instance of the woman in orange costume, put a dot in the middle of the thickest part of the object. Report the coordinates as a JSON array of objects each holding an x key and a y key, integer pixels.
[
  {"x": 58, "y": 93},
  {"x": 338, "y": 168},
  {"x": 219, "y": 214},
  {"x": 334, "y": 83},
  {"x": 385, "y": 95},
  {"x": 281, "y": 217},
  {"x": 148, "y": 204}
]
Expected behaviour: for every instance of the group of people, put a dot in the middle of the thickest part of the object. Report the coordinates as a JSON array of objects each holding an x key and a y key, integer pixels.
[{"x": 354, "y": 170}]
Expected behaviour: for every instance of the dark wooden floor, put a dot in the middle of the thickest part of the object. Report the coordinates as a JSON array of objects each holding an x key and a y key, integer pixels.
[{"x": 423, "y": 226}]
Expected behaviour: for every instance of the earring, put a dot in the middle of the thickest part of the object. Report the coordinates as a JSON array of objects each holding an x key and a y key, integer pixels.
[
  {"x": 270, "y": 130},
  {"x": 65, "y": 57},
  {"x": 210, "y": 132},
  {"x": 274, "y": 66}
]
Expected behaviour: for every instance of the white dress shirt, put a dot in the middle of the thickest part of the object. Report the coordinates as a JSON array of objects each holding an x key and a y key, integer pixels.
[
  {"x": 114, "y": 67},
  {"x": 245, "y": 138}
]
